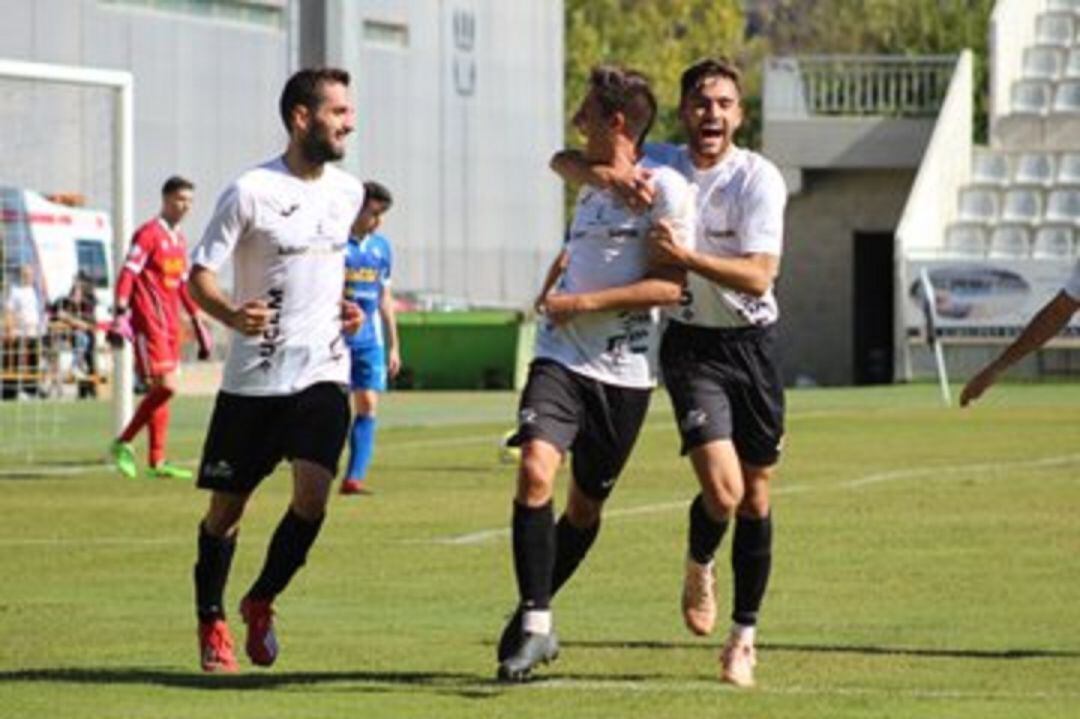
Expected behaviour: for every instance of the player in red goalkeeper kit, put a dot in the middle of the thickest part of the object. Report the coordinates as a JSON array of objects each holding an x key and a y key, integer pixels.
[{"x": 150, "y": 291}]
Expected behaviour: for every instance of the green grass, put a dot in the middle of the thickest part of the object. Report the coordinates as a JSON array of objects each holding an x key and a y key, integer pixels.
[{"x": 927, "y": 564}]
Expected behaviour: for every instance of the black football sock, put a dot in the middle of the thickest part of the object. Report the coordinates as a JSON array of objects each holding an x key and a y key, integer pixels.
[
  {"x": 534, "y": 554},
  {"x": 705, "y": 532},
  {"x": 751, "y": 561},
  {"x": 287, "y": 553},
  {"x": 571, "y": 545},
  {"x": 211, "y": 573}
]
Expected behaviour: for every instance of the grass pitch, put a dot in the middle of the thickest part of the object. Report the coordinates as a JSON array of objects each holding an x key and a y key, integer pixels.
[{"x": 927, "y": 564}]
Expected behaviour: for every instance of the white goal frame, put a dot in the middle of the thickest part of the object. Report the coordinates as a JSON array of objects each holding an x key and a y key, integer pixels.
[{"x": 122, "y": 83}]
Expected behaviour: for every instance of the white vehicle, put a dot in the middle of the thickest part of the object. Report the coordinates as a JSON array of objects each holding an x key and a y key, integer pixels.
[{"x": 58, "y": 241}]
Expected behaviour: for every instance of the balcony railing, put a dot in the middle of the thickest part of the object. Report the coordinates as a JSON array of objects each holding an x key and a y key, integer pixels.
[{"x": 839, "y": 85}]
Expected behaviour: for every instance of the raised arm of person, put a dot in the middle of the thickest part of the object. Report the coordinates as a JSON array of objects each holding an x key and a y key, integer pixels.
[
  {"x": 1046, "y": 323},
  {"x": 631, "y": 183}
]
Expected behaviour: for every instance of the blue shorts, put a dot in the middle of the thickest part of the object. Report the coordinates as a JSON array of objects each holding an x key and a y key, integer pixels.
[{"x": 368, "y": 368}]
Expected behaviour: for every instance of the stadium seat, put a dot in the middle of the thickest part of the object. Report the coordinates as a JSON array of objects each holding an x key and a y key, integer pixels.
[
  {"x": 1072, "y": 65},
  {"x": 1043, "y": 63},
  {"x": 1022, "y": 127},
  {"x": 1068, "y": 172},
  {"x": 1062, "y": 126},
  {"x": 1063, "y": 206},
  {"x": 979, "y": 204},
  {"x": 990, "y": 168},
  {"x": 1010, "y": 241},
  {"x": 1022, "y": 205},
  {"x": 1034, "y": 168},
  {"x": 965, "y": 240},
  {"x": 1053, "y": 241},
  {"x": 1054, "y": 28}
]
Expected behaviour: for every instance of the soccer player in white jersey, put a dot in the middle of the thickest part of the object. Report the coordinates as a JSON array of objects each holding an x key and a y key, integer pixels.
[
  {"x": 718, "y": 354},
  {"x": 1046, "y": 323},
  {"x": 595, "y": 367},
  {"x": 285, "y": 224}
]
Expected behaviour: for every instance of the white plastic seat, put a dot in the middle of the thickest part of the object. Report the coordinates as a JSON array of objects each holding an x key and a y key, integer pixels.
[
  {"x": 1071, "y": 71},
  {"x": 1054, "y": 28},
  {"x": 979, "y": 204},
  {"x": 990, "y": 168},
  {"x": 1022, "y": 205},
  {"x": 1063, "y": 206},
  {"x": 966, "y": 240},
  {"x": 1068, "y": 172},
  {"x": 1034, "y": 168},
  {"x": 1010, "y": 241},
  {"x": 1067, "y": 97},
  {"x": 1031, "y": 97},
  {"x": 1053, "y": 241},
  {"x": 1043, "y": 63}
]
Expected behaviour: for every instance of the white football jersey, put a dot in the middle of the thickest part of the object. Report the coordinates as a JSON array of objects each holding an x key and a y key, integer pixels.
[
  {"x": 287, "y": 237},
  {"x": 740, "y": 211},
  {"x": 1072, "y": 286},
  {"x": 607, "y": 247}
]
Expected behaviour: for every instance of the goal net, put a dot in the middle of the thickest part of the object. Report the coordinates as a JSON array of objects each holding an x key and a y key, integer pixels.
[{"x": 65, "y": 218}]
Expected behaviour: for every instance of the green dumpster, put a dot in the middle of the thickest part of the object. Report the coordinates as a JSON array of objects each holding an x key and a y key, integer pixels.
[{"x": 475, "y": 349}]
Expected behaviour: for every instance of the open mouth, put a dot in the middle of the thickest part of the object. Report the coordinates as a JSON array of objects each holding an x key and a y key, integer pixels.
[{"x": 712, "y": 132}]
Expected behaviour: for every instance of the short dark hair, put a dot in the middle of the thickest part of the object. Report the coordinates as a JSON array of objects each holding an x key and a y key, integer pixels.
[
  {"x": 619, "y": 89},
  {"x": 176, "y": 184},
  {"x": 377, "y": 192},
  {"x": 695, "y": 75},
  {"x": 303, "y": 88}
]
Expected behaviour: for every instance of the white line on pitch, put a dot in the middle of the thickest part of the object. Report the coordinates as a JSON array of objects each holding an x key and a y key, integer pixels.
[{"x": 876, "y": 478}]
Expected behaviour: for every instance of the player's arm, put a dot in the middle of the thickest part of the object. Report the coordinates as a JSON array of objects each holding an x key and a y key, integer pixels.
[
  {"x": 389, "y": 320},
  {"x": 630, "y": 182},
  {"x": 250, "y": 318},
  {"x": 554, "y": 272},
  {"x": 752, "y": 273},
  {"x": 1046, "y": 323}
]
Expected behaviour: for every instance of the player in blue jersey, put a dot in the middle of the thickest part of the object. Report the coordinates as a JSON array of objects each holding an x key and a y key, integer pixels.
[{"x": 374, "y": 349}]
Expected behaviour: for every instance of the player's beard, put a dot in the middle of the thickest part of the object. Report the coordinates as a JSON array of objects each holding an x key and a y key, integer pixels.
[{"x": 317, "y": 148}]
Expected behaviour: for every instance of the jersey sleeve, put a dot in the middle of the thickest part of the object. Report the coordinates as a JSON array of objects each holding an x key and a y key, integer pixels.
[
  {"x": 232, "y": 216},
  {"x": 1072, "y": 286},
  {"x": 762, "y": 229},
  {"x": 675, "y": 203},
  {"x": 142, "y": 247}
]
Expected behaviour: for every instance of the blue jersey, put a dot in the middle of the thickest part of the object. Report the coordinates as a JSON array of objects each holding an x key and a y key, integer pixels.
[{"x": 367, "y": 271}]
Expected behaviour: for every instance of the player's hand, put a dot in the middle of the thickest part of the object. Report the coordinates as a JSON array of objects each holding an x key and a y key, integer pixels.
[
  {"x": 251, "y": 318},
  {"x": 976, "y": 386},
  {"x": 352, "y": 317},
  {"x": 664, "y": 248},
  {"x": 393, "y": 362},
  {"x": 559, "y": 308},
  {"x": 634, "y": 187},
  {"x": 119, "y": 331},
  {"x": 203, "y": 338}
]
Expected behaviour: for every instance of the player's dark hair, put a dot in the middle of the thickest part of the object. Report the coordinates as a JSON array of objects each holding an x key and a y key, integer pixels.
[
  {"x": 304, "y": 88},
  {"x": 627, "y": 91},
  {"x": 377, "y": 192},
  {"x": 695, "y": 75},
  {"x": 176, "y": 184}
]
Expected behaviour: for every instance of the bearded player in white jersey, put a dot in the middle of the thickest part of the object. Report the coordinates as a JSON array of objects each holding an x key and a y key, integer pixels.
[
  {"x": 719, "y": 355},
  {"x": 588, "y": 388},
  {"x": 285, "y": 224}
]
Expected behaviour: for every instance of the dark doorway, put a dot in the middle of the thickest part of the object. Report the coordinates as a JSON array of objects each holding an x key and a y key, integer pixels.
[{"x": 873, "y": 308}]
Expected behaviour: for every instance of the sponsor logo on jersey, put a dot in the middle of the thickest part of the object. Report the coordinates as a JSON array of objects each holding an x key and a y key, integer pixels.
[
  {"x": 272, "y": 337},
  {"x": 286, "y": 211}
]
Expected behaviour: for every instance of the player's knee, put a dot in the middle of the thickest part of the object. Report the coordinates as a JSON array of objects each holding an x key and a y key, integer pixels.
[
  {"x": 722, "y": 498},
  {"x": 755, "y": 501},
  {"x": 583, "y": 513},
  {"x": 536, "y": 474},
  {"x": 223, "y": 517}
]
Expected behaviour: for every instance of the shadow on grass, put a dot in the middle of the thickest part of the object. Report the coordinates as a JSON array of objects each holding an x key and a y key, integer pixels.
[{"x": 871, "y": 650}]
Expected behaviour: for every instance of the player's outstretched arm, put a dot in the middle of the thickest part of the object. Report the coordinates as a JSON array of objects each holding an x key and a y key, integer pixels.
[
  {"x": 251, "y": 318},
  {"x": 1046, "y": 323}
]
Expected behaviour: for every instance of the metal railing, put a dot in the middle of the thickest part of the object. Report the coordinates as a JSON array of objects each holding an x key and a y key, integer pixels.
[{"x": 838, "y": 85}]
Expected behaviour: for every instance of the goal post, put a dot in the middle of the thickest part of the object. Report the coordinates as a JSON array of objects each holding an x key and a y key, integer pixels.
[{"x": 122, "y": 84}]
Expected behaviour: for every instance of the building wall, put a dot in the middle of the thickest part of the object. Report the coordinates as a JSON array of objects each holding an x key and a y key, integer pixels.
[
  {"x": 206, "y": 94},
  {"x": 460, "y": 107},
  {"x": 816, "y": 284}
]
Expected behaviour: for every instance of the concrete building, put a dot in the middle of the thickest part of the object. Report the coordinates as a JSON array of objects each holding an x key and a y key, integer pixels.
[{"x": 460, "y": 105}]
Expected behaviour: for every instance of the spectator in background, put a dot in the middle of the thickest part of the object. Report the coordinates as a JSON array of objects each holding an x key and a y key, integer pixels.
[
  {"x": 24, "y": 325},
  {"x": 78, "y": 312}
]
